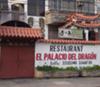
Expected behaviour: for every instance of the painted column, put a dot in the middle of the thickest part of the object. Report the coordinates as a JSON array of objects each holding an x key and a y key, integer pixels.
[
  {"x": 86, "y": 34},
  {"x": 46, "y": 26},
  {"x": 46, "y": 32},
  {"x": 26, "y": 12},
  {"x": 97, "y": 6},
  {"x": 96, "y": 34},
  {"x": 46, "y": 5}
]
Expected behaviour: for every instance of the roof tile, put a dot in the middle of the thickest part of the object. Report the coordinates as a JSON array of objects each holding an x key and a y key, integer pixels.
[
  {"x": 93, "y": 22},
  {"x": 6, "y": 31}
]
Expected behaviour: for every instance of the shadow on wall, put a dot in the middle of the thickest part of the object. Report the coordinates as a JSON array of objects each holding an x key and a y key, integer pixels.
[{"x": 15, "y": 23}]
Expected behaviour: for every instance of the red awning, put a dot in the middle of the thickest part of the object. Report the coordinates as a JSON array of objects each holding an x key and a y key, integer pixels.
[{"x": 6, "y": 31}]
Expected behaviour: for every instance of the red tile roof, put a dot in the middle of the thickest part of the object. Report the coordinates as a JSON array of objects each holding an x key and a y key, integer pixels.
[
  {"x": 6, "y": 31},
  {"x": 75, "y": 20},
  {"x": 86, "y": 17},
  {"x": 58, "y": 41},
  {"x": 93, "y": 25}
]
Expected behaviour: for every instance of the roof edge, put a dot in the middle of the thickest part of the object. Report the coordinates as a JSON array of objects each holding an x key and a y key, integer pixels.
[{"x": 57, "y": 41}]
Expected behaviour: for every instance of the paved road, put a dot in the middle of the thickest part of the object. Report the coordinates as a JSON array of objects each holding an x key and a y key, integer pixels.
[{"x": 69, "y": 82}]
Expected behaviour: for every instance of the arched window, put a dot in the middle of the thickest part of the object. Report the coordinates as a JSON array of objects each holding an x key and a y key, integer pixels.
[
  {"x": 17, "y": 11},
  {"x": 41, "y": 23},
  {"x": 30, "y": 21},
  {"x": 18, "y": 7}
]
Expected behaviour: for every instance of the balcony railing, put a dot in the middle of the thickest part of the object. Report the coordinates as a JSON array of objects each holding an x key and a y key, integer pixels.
[
  {"x": 11, "y": 15},
  {"x": 55, "y": 17}
]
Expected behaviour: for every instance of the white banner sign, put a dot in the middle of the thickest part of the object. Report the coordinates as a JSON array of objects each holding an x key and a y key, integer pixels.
[{"x": 65, "y": 55}]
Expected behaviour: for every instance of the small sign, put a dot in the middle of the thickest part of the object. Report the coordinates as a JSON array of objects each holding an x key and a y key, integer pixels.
[{"x": 71, "y": 33}]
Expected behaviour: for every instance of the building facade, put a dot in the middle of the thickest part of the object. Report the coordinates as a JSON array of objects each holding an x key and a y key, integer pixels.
[
  {"x": 59, "y": 11},
  {"x": 60, "y": 33},
  {"x": 43, "y": 14},
  {"x": 28, "y": 11}
]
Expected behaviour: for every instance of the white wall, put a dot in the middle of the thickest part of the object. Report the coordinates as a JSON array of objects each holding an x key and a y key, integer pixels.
[
  {"x": 79, "y": 56},
  {"x": 46, "y": 26},
  {"x": 36, "y": 18},
  {"x": 97, "y": 6},
  {"x": 46, "y": 5}
]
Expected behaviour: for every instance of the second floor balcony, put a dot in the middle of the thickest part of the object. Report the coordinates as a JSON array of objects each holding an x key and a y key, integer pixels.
[
  {"x": 6, "y": 15},
  {"x": 55, "y": 17}
]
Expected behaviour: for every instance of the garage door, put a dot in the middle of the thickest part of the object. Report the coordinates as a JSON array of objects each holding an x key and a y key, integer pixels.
[{"x": 16, "y": 62}]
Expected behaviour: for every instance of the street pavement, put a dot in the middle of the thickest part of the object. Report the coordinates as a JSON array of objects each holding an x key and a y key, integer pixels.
[{"x": 58, "y": 82}]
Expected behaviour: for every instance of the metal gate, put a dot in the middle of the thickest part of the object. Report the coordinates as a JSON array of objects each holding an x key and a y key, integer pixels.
[{"x": 16, "y": 61}]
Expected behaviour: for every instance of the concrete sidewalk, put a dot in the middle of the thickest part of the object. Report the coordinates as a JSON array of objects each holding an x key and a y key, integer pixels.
[{"x": 66, "y": 82}]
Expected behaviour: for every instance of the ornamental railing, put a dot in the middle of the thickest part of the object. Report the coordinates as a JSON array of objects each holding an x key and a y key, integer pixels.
[{"x": 6, "y": 15}]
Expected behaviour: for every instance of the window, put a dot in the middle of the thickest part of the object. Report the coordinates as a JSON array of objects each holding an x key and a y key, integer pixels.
[
  {"x": 86, "y": 7},
  {"x": 30, "y": 21},
  {"x": 17, "y": 11},
  {"x": 53, "y": 32},
  {"x": 72, "y": 6},
  {"x": 15, "y": 7},
  {"x": 64, "y": 5},
  {"x": 41, "y": 23},
  {"x": 55, "y": 4},
  {"x": 36, "y": 7},
  {"x": 91, "y": 7},
  {"x": 3, "y": 4}
]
